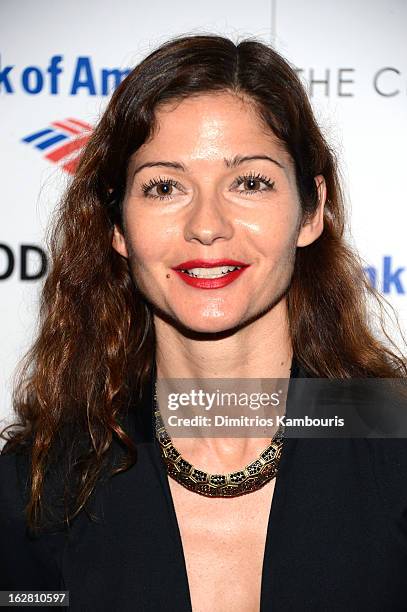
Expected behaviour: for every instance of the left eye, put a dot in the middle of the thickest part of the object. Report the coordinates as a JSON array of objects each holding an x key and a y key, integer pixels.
[{"x": 252, "y": 183}]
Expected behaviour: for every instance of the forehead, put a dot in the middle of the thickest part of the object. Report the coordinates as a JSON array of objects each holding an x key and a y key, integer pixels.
[{"x": 208, "y": 126}]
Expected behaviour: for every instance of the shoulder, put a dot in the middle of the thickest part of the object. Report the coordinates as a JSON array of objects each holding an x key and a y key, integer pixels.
[
  {"x": 389, "y": 463},
  {"x": 30, "y": 562},
  {"x": 13, "y": 479}
]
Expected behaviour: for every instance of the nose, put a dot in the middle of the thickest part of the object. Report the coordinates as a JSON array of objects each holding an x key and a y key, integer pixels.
[{"x": 208, "y": 221}]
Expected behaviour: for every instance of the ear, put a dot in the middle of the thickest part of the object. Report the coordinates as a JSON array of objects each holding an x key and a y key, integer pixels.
[
  {"x": 118, "y": 242},
  {"x": 313, "y": 226}
]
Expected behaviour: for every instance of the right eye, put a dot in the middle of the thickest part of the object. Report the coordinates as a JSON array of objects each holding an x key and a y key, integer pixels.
[{"x": 163, "y": 185}]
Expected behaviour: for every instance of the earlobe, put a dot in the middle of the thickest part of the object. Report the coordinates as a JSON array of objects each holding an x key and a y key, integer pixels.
[
  {"x": 314, "y": 226},
  {"x": 118, "y": 242}
]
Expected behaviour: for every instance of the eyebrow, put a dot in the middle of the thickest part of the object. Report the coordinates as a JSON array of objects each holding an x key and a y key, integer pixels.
[{"x": 230, "y": 163}]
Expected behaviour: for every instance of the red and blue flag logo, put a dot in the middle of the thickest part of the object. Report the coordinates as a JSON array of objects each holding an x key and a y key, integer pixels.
[{"x": 62, "y": 142}]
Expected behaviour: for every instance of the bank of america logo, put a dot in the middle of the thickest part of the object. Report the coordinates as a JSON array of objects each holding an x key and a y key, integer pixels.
[{"x": 61, "y": 142}]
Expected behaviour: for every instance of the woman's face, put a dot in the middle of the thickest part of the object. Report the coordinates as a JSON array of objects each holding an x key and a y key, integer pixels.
[{"x": 213, "y": 184}]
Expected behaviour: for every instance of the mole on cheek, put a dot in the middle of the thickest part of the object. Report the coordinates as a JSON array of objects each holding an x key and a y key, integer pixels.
[{"x": 168, "y": 276}]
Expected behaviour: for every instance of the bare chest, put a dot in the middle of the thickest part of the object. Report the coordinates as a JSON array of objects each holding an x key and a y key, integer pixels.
[{"x": 223, "y": 542}]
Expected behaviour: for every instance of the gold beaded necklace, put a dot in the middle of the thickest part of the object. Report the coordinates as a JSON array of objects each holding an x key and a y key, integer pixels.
[{"x": 251, "y": 478}]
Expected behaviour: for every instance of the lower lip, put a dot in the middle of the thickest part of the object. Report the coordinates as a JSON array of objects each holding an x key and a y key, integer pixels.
[{"x": 210, "y": 283}]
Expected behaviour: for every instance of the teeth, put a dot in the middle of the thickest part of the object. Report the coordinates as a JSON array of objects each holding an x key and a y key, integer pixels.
[{"x": 210, "y": 272}]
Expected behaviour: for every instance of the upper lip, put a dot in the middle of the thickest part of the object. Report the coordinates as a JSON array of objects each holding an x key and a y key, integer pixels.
[{"x": 208, "y": 263}]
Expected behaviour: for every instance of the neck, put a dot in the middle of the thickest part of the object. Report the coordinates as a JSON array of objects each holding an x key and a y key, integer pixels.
[{"x": 261, "y": 349}]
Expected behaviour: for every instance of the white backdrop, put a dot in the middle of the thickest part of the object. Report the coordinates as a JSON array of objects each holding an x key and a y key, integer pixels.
[{"x": 60, "y": 60}]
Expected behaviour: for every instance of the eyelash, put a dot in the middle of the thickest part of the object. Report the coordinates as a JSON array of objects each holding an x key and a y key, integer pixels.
[
  {"x": 147, "y": 187},
  {"x": 257, "y": 177}
]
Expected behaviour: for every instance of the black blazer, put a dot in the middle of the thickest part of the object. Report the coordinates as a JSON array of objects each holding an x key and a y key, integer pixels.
[{"x": 336, "y": 539}]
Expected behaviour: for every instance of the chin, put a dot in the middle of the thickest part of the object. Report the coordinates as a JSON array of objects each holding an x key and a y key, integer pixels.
[
  {"x": 210, "y": 326},
  {"x": 204, "y": 333},
  {"x": 203, "y": 322},
  {"x": 220, "y": 324}
]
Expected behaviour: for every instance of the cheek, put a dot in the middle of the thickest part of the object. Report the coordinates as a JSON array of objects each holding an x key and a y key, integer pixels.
[
  {"x": 149, "y": 242},
  {"x": 276, "y": 235}
]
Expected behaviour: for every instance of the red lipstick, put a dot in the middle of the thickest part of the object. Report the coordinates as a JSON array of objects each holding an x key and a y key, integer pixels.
[{"x": 209, "y": 283}]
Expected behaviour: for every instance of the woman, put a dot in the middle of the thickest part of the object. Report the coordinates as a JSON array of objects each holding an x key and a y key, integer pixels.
[{"x": 208, "y": 162}]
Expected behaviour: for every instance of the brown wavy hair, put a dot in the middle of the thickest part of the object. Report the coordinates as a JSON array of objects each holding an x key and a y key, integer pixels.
[{"x": 96, "y": 343}]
